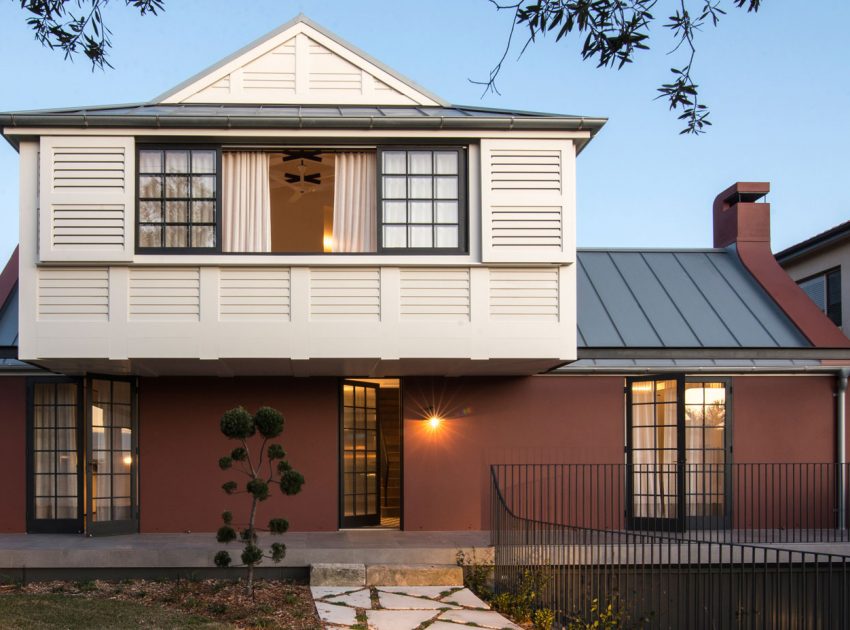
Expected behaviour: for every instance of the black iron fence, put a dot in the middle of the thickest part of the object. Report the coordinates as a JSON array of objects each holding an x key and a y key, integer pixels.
[{"x": 607, "y": 540}]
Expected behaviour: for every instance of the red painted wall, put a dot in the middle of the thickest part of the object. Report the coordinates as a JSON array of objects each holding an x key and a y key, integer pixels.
[
  {"x": 13, "y": 423},
  {"x": 540, "y": 419},
  {"x": 180, "y": 443}
]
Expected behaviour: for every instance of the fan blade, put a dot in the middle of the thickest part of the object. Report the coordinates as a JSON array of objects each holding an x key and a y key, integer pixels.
[{"x": 314, "y": 178}]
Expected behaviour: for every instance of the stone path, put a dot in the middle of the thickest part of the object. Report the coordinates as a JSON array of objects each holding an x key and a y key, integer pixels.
[{"x": 404, "y": 608}]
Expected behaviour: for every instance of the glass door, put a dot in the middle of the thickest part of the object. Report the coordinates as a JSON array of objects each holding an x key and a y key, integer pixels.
[
  {"x": 112, "y": 457},
  {"x": 655, "y": 482},
  {"x": 359, "y": 480},
  {"x": 54, "y": 446}
]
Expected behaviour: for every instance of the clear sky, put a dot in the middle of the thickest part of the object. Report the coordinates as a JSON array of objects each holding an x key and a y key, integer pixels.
[{"x": 778, "y": 84}]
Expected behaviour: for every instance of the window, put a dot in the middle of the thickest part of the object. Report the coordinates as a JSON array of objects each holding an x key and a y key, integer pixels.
[
  {"x": 825, "y": 290},
  {"x": 421, "y": 199},
  {"x": 178, "y": 199}
]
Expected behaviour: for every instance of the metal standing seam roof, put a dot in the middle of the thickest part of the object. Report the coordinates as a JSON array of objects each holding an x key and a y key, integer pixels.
[{"x": 700, "y": 299}]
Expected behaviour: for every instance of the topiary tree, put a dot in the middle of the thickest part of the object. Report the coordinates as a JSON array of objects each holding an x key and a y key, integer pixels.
[{"x": 262, "y": 473}]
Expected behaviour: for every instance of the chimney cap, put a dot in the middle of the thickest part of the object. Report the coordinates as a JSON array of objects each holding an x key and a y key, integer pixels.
[{"x": 742, "y": 192}]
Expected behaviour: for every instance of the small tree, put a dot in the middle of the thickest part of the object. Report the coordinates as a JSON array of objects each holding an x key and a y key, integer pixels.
[{"x": 262, "y": 472}]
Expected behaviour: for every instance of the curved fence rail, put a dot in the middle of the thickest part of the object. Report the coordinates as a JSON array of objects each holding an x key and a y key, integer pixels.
[{"x": 566, "y": 534}]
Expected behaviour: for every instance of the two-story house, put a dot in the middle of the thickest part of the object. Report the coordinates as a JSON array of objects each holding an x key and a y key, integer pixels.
[{"x": 301, "y": 227}]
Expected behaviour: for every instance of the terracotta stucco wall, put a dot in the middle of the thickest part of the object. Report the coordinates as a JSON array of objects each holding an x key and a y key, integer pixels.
[
  {"x": 180, "y": 443},
  {"x": 499, "y": 420},
  {"x": 13, "y": 420}
]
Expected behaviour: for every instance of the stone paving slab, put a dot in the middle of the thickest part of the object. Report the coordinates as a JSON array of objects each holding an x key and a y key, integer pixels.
[
  {"x": 406, "y": 602},
  {"x": 337, "y": 615},
  {"x": 482, "y": 618},
  {"x": 466, "y": 598},
  {"x": 397, "y": 619},
  {"x": 357, "y": 599}
]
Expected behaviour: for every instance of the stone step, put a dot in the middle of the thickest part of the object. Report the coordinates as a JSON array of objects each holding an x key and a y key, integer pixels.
[
  {"x": 337, "y": 574},
  {"x": 414, "y": 575}
]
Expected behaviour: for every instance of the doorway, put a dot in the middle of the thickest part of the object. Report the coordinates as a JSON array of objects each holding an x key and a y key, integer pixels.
[
  {"x": 370, "y": 453},
  {"x": 678, "y": 453}
]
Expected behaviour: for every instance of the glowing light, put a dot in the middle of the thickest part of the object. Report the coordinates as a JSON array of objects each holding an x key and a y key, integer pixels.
[
  {"x": 434, "y": 422},
  {"x": 328, "y": 242},
  {"x": 128, "y": 459}
]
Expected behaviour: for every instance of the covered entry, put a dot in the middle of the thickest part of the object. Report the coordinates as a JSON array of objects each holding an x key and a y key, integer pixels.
[{"x": 370, "y": 453}]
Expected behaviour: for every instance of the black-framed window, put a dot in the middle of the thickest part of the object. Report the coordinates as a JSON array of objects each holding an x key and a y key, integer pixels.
[
  {"x": 178, "y": 199},
  {"x": 422, "y": 199},
  {"x": 825, "y": 290}
]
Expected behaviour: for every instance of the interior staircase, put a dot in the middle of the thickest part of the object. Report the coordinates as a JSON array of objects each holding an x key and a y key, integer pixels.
[{"x": 389, "y": 417}]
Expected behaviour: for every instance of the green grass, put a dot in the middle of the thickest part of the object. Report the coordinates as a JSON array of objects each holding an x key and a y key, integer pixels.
[{"x": 42, "y": 612}]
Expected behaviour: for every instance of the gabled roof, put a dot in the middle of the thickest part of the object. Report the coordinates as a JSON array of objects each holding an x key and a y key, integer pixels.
[
  {"x": 818, "y": 241},
  {"x": 299, "y": 62}
]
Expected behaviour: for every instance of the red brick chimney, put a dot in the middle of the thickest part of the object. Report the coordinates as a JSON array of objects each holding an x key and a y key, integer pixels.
[{"x": 740, "y": 220}]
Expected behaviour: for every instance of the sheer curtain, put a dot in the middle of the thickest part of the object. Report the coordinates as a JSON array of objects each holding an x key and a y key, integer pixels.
[
  {"x": 246, "y": 202},
  {"x": 355, "y": 215}
]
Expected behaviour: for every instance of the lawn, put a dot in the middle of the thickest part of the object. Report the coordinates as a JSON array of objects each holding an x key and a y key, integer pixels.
[{"x": 207, "y": 604}]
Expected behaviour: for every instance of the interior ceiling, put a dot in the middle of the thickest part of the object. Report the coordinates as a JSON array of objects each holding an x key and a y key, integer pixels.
[{"x": 303, "y": 171}]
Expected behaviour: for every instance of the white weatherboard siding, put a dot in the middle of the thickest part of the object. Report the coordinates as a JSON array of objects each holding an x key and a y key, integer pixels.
[
  {"x": 474, "y": 313},
  {"x": 87, "y": 200},
  {"x": 528, "y": 200}
]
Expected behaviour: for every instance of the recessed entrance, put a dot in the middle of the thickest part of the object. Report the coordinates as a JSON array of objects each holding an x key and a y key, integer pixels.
[{"x": 370, "y": 453}]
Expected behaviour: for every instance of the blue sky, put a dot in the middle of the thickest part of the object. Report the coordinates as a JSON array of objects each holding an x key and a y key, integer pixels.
[{"x": 777, "y": 83}]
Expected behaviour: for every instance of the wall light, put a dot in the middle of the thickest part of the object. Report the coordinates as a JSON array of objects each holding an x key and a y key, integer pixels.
[{"x": 433, "y": 419}]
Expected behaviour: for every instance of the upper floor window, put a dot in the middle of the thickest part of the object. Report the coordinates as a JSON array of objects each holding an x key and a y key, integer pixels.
[
  {"x": 303, "y": 200},
  {"x": 178, "y": 199},
  {"x": 825, "y": 290}
]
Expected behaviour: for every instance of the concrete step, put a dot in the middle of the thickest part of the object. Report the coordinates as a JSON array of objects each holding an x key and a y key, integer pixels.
[
  {"x": 337, "y": 574},
  {"x": 414, "y": 575}
]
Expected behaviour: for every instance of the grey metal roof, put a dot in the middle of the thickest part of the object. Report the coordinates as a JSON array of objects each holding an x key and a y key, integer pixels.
[
  {"x": 690, "y": 299},
  {"x": 691, "y": 366},
  {"x": 9, "y": 320}
]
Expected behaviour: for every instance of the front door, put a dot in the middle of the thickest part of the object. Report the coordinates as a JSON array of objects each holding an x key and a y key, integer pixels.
[
  {"x": 111, "y": 488},
  {"x": 359, "y": 483}
]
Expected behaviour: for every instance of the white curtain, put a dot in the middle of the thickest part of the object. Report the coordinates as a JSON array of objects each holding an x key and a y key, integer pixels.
[
  {"x": 246, "y": 202},
  {"x": 355, "y": 214}
]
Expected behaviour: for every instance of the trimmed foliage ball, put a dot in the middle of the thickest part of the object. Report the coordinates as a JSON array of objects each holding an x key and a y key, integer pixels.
[
  {"x": 278, "y": 525},
  {"x": 278, "y": 551},
  {"x": 259, "y": 488},
  {"x": 251, "y": 555},
  {"x": 225, "y": 462},
  {"x": 237, "y": 423},
  {"x": 229, "y": 487},
  {"x": 291, "y": 482},
  {"x": 225, "y": 534},
  {"x": 239, "y": 454},
  {"x": 269, "y": 422},
  {"x": 222, "y": 559},
  {"x": 275, "y": 451},
  {"x": 227, "y": 517}
]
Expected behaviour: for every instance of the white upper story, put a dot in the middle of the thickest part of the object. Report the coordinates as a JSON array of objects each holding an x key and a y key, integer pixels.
[{"x": 298, "y": 208}]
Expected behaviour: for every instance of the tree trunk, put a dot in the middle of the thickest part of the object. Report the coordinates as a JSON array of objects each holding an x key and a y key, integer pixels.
[{"x": 251, "y": 541}]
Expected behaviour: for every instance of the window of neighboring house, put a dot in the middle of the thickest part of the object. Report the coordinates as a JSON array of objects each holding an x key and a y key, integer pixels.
[
  {"x": 178, "y": 200},
  {"x": 422, "y": 200},
  {"x": 825, "y": 290}
]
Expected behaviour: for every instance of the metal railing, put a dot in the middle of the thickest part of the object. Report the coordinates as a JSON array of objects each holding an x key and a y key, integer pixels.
[{"x": 592, "y": 536}]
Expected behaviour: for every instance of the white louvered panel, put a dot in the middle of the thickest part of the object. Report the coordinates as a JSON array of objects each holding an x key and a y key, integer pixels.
[
  {"x": 254, "y": 294},
  {"x": 524, "y": 169},
  {"x": 93, "y": 225},
  {"x": 81, "y": 167},
  {"x": 527, "y": 200},
  {"x": 340, "y": 293},
  {"x": 526, "y": 294},
  {"x": 527, "y": 226},
  {"x": 435, "y": 294},
  {"x": 87, "y": 198},
  {"x": 165, "y": 294},
  {"x": 274, "y": 71},
  {"x": 73, "y": 294}
]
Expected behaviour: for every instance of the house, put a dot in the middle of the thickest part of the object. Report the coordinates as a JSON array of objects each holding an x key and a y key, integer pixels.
[
  {"x": 815, "y": 264},
  {"x": 300, "y": 226}
]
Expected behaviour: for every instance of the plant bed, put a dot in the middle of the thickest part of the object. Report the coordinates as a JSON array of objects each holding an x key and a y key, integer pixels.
[{"x": 204, "y": 604}]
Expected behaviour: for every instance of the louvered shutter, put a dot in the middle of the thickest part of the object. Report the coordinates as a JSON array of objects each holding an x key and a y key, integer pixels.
[
  {"x": 527, "y": 199},
  {"x": 86, "y": 198}
]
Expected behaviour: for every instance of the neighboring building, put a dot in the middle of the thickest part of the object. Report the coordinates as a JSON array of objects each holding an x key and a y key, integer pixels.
[
  {"x": 821, "y": 266},
  {"x": 298, "y": 226}
]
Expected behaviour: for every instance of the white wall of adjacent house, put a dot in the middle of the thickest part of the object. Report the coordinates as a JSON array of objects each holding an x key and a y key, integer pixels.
[
  {"x": 90, "y": 302},
  {"x": 836, "y": 256}
]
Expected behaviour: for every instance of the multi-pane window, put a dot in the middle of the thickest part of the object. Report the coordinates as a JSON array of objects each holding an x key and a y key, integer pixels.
[
  {"x": 55, "y": 448},
  {"x": 111, "y": 450},
  {"x": 177, "y": 199},
  {"x": 421, "y": 199},
  {"x": 825, "y": 290}
]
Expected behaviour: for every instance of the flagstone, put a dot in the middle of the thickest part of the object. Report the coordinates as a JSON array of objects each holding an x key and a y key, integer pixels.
[
  {"x": 465, "y": 598},
  {"x": 398, "y": 619},
  {"x": 333, "y": 613},
  {"x": 321, "y": 592},
  {"x": 482, "y": 618},
  {"x": 417, "y": 591},
  {"x": 405, "y": 602},
  {"x": 357, "y": 599}
]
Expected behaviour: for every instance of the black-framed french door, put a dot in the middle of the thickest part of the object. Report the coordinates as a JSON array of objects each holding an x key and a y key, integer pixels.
[
  {"x": 112, "y": 456},
  {"x": 678, "y": 453},
  {"x": 360, "y": 487},
  {"x": 54, "y": 455}
]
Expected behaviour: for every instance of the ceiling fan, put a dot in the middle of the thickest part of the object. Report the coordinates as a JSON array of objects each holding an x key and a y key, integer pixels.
[{"x": 301, "y": 181}]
